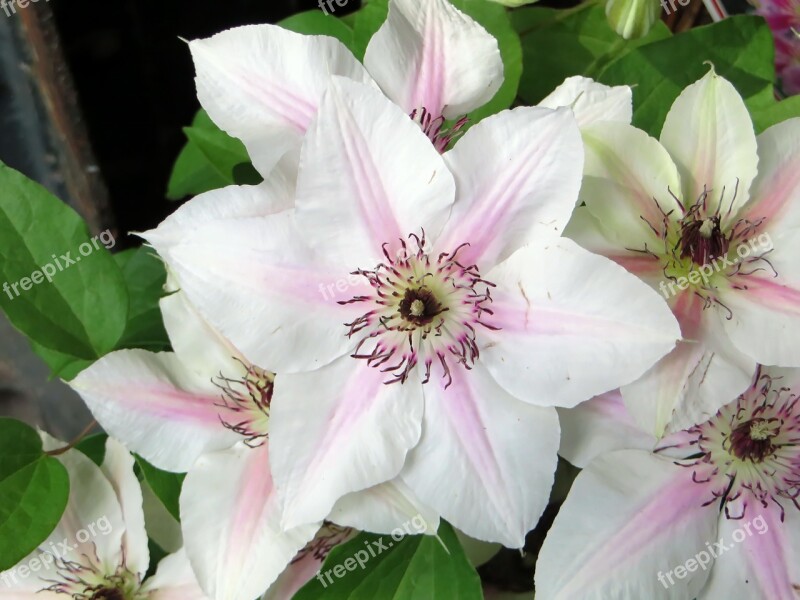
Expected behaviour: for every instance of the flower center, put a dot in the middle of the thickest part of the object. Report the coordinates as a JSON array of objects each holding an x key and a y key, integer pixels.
[
  {"x": 750, "y": 449},
  {"x": 702, "y": 240},
  {"x": 108, "y": 594},
  {"x": 246, "y": 400},
  {"x": 753, "y": 440},
  {"x": 422, "y": 310}
]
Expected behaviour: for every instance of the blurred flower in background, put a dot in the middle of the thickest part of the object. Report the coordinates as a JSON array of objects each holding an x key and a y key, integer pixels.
[
  {"x": 632, "y": 18},
  {"x": 783, "y": 17}
]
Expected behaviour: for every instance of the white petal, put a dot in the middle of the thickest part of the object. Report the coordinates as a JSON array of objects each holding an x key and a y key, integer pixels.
[
  {"x": 174, "y": 580},
  {"x": 517, "y": 177},
  {"x": 761, "y": 556},
  {"x": 592, "y": 101},
  {"x": 431, "y": 55},
  {"x": 156, "y": 406},
  {"x": 384, "y": 508},
  {"x": 368, "y": 171},
  {"x": 262, "y": 84},
  {"x": 486, "y": 461},
  {"x": 628, "y": 184},
  {"x": 232, "y": 202},
  {"x": 765, "y": 305},
  {"x": 572, "y": 325},
  {"x": 262, "y": 288},
  {"x": 775, "y": 195},
  {"x": 231, "y": 523},
  {"x": 337, "y": 430},
  {"x": 118, "y": 468},
  {"x": 195, "y": 341},
  {"x": 597, "y": 426},
  {"x": 710, "y": 136},
  {"x": 689, "y": 385},
  {"x": 629, "y": 518}
]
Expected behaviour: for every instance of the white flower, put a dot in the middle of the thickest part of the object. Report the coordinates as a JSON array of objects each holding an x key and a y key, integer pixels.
[
  {"x": 204, "y": 409},
  {"x": 421, "y": 311},
  {"x": 263, "y": 84},
  {"x": 712, "y": 513},
  {"x": 708, "y": 216},
  {"x": 99, "y": 548}
]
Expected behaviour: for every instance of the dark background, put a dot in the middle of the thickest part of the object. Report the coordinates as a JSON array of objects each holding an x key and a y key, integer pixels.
[{"x": 134, "y": 79}]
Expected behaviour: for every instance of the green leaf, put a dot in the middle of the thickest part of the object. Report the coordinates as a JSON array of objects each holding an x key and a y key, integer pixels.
[
  {"x": 367, "y": 21},
  {"x": 62, "y": 365},
  {"x": 94, "y": 447},
  {"x": 82, "y": 311},
  {"x": 495, "y": 19},
  {"x": 34, "y": 490},
  {"x": 557, "y": 44},
  {"x": 315, "y": 22},
  {"x": 372, "y": 566},
  {"x": 211, "y": 160},
  {"x": 740, "y": 48},
  {"x": 145, "y": 276},
  {"x": 774, "y": 112},
  {"x": 167, "y": 486}
]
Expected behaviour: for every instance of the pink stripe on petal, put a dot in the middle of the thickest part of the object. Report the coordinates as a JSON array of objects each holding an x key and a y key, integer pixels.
[
  {"x": 769, "y": 554},
  {"x": 772, "y": 294}
]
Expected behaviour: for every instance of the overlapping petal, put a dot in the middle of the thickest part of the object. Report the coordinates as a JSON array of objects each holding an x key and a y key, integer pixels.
[
  {"x": 431, "y": 55},
  {"x": 518, "y": 176},
  {"x": 629, "y": 517},
  {"x": 486, "y": 461},
  {"x": 262, "y": 84},
  {"x": 591, "y": 101},
  {"x": 572, "y": 325},
  {"x": 337, "y": 430},
  {"x": 231, "y": 521}
]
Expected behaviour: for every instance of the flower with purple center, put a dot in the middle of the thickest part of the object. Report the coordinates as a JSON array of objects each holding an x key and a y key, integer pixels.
[
  {"x": 708, "y": 215},
  {"x": 711, "y": 512},
  {"x": 421, "y": 311}
]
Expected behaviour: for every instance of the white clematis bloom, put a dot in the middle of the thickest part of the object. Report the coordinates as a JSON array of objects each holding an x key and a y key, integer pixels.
[
  {"x": 708, "y": 216},
  {"x": 98, "y": 551},
  {"x": 204, "y": 409},
  {"x": 263, "y": 84},
  {"x": 719, "y": 519},
  {"x": 422, "y": 311}
]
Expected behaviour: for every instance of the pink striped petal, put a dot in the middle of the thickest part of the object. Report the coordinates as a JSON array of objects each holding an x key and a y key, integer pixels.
[
  {"x": 629, "y": 520},
  {"x": 764, "y": 306},
  {"x": 486, "y": 461},
  {"x": 368, "y": 177},
  {"x": 431, "y": 55},
  {"x": 761, "y": 557},
  {"x": 566, "y": 318},
  {"x": 156, "y": 405},
  {"x": 775, "y": 196},
  {"x": 518, "y": 176},
  {"x": 337, "y": 430},
  {"x": 262, "y": 84},
  {"x": 231, "y": 522}
]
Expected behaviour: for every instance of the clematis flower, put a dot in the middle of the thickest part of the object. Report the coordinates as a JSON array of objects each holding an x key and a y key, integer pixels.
[
  {"x": 99, "y": 549},
  {"x": 206, "y": 410},
  {"x": 421, "y": 311},
  {"x": 431, "y": 59},
  {"x": 722, "y": 520},
  {"x": 707, "y": 216}
]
